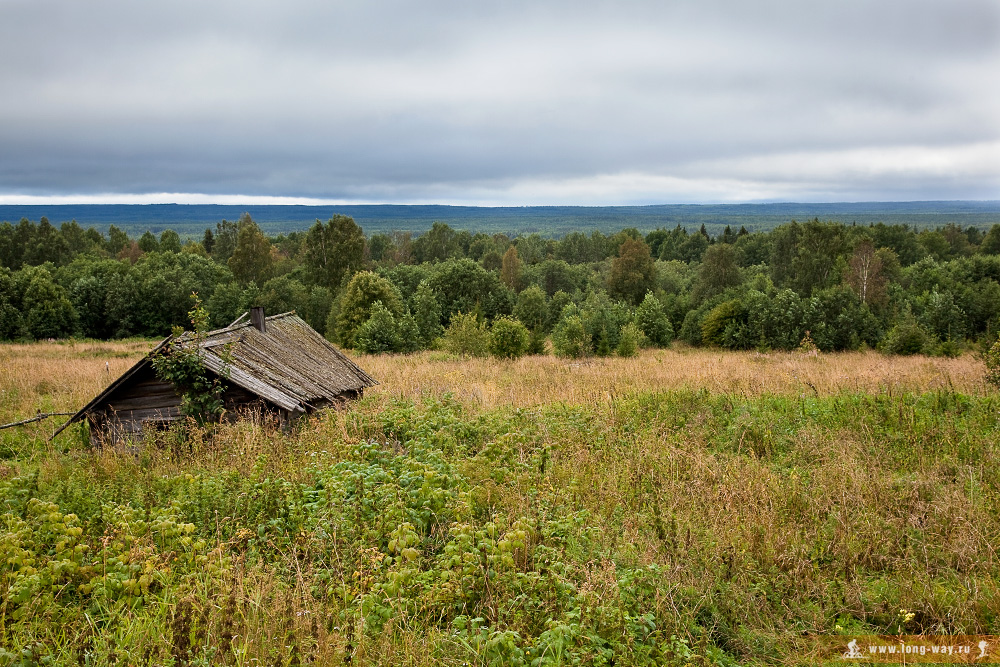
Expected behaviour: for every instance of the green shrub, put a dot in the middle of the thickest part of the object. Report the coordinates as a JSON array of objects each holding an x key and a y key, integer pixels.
[
  {"x": 570, "y": 338},
  {"x": 557, "y": 304},
  {"x": 410, "y": 339},
  {"x": 652, "y": 320},
  {"x": 714, "y": 325},
  {"x": 427, "y": 314},
  {"x": 942, "y": 316},
  {"x": 948, "y": 348},
  {"x": 379, "y": 333},
  {"x": 509, "y": 339},
  {"x": 531, "y": 307},
  {"x": 357, "y": 303},
  {"x": 690, "y": 331},
  {"x": 907, "y": 337},
  {"x": 180, "y": 364},
  {"x": 536, "y": 342},
  {"x": 603, "y": 320},
  {"x": 629, "y": 341},
  {"x": 466, "y": 336},
  {"x": 992, "y": 359}
]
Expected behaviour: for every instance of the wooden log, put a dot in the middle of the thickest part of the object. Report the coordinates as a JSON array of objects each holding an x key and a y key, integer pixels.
[{"x": 40, "y": 416}]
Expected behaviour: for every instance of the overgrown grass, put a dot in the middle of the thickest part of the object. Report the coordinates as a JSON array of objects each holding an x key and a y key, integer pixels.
[
  {"x": 64, "y": 375},
  {"x": 676, "y": 526}
]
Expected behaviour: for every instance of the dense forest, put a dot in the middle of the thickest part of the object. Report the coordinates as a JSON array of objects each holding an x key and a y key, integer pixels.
[{"x": 814, "y": 284}]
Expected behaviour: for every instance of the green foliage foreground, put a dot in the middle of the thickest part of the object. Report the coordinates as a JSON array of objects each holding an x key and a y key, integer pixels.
[{"x": 671, "y": 528}]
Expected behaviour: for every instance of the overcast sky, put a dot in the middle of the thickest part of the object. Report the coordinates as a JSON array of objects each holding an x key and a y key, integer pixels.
[{"x": 511, "y": 103}]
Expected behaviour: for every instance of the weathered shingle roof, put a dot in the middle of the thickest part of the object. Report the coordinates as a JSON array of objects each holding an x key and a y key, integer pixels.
[{"x": 291, "y": 365}]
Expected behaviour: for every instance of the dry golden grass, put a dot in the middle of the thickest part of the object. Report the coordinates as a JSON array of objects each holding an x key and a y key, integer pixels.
[
  {"x": 544, "y": 379},
  {"x": 63, "y": 376}
]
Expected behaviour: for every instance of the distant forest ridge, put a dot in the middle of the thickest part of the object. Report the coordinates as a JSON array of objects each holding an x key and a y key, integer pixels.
[{"x": 554, "y": 221}]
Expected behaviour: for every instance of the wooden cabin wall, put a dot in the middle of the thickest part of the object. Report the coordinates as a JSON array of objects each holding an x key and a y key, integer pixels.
[{"x": 143, "y": 398}]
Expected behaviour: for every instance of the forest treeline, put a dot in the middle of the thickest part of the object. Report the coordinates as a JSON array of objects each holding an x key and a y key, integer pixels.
[{"x": 822, "y": 284}]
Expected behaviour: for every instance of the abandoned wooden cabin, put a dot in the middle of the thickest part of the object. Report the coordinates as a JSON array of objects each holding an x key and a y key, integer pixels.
[{"x": 277, "y": 365}]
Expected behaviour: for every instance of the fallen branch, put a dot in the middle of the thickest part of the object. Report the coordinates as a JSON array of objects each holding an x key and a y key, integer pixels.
[{"x": 40, "y": 416}]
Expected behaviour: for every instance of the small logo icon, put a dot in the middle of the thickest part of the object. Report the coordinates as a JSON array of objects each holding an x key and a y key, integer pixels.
[
  {"x": 982, "y": 649},
  {"x": 853, "y": 652}
]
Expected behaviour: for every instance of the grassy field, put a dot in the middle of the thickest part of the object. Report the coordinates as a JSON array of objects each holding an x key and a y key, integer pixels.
[{"x": 683, "y": 507}]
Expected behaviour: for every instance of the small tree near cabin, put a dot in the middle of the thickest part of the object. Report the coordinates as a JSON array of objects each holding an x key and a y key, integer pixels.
[{"x": 180, "y": 364}]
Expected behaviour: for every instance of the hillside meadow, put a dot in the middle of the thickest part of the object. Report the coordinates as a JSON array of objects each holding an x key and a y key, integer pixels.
[{"x": 686, "y": 506}]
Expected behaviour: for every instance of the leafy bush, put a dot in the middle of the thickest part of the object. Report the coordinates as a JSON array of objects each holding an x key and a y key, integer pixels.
[
  {"x": 426, "y": 314},
  {"x": 466, "y": 336},
  {"x": 531, "y": 308},
  {"x": 536, "y": 342},
  {"x": 283, "y": 294},
  {"x": 48, "y": 312},
  {"x": 992, "y": 359},
  {"x": 690, "y": 331},
  {"x": 772, "y": 322},
  {"x": 509, "y": 339},
  {"x": 410, "y": 339},
  {"x": 463, "y": 286},
  {"x": 629, "y": 341},
  {"x": 379, "y": 333},
  {"x": 947, "y": 348},
  {"x": 652, "y": 320},
  {"x": 907, "y": 337},
  {"x": 603, "y": 319},
  {"x": 364, "y": 289},
  {"x": 557, "y": 305},
  {"x": 713, "y": 327},
  {"x": 570, "y": 338},
  {"x": 839, "y": 321},
  {"x": 942, "y": 317}
]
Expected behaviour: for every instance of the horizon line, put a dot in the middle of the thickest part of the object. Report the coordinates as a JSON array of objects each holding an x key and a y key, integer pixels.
[{"x": 166, "y": 199}]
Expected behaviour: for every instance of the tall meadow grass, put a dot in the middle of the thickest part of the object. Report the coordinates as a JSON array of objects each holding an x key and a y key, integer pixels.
[{"x": 681, "y": 507}]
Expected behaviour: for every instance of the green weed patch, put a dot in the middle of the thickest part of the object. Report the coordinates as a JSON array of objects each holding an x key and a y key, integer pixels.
[{"x": 681, "y": 527}]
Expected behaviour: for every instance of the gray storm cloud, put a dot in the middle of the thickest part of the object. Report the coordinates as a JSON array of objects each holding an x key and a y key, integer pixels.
[{"x": 514, "y": 103}]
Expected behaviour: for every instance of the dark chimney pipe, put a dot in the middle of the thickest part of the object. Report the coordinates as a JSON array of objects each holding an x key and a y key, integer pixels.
[{"x": 257, "y": 318}]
